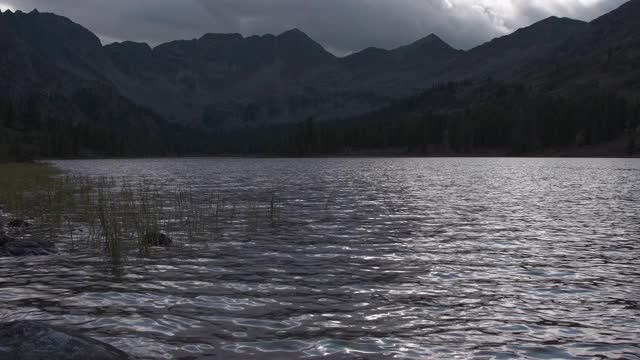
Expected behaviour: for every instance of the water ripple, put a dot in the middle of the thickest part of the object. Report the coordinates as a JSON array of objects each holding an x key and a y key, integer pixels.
[{"x": 376, "y": 258}]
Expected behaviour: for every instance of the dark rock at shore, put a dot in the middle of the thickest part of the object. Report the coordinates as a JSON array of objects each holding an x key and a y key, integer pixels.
[
  {"x": 19, "y": 223},
  {"x": 157, "y": 239},
  {"x": 25, "y": 247},
  {"x": 30, "y": 340}
]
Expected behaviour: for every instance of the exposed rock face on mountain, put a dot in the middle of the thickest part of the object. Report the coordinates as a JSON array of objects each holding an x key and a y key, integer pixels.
[
  {"x": 226, "y": 81},
  {"x": 267, "y": 79},
  {"x": 49, "y": 61},
  {"x": 507, "y": 57},
  {"x": 48, "y": 52},
  {"x": 222, "y": 78},
  {"x": 391, "y": 74},
  {"x": 606, "y": 54}
]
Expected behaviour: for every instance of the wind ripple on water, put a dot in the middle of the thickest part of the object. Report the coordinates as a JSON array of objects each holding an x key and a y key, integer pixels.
[{"x": 381, "y": 258}]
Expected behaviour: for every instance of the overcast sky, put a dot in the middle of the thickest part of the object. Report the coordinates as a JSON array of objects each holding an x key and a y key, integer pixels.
[{"x": 342, "y": 26}]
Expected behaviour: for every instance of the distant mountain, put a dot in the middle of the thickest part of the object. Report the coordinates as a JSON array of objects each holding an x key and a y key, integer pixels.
[
  {"x": 229, "y": 81},
  {"x": 47, "y": 52},
  {"x": 605, "y": 54},
  {"x": 430, "y": 50},
  {"x": 225, "y": 81},
  {"x": 222, "y": 78},
  {"x": 57, "y": 97},
  {"x": 507, "y": 57},
  {"x": 399, "y": 72}
]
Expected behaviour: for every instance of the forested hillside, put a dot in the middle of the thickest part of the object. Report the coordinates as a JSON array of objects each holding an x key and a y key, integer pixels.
[
  {"x": 453, "y": 119},
  {"x": 464, "y": 119},
  {"x": 58, "y": 127},
  {"x": 557, "y": 87}
]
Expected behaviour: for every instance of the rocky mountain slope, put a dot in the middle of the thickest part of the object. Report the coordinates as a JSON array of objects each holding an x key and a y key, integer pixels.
[
  {"x": 606, "y": 54},
  {"x": 224, "y": 81}
]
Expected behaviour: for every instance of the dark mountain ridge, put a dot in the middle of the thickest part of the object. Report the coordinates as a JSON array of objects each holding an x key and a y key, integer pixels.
[
  {"x": 508, "y": 56},
  {"x": 605, "y": 54},
  {"x": 48, "y": 44},
  {"x": 228, "y": 82}
]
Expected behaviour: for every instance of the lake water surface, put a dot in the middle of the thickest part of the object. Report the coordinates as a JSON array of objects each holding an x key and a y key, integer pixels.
[{"x": 372, "y": 258}]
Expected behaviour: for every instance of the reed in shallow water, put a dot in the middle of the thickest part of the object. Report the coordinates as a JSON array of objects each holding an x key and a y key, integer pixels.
[{"x": 119, "y": 217}]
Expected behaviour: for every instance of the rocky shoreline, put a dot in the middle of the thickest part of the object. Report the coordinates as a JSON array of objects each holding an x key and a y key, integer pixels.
[
  {"x": 32, "y": 340},
  {"x": 15, "y": 247}
]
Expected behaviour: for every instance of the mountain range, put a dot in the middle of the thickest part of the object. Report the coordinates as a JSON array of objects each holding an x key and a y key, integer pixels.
[{"x": 230, "y": 81}]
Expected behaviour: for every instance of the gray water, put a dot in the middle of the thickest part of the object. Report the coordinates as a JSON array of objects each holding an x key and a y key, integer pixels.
[{"x": 374, "y": 258}]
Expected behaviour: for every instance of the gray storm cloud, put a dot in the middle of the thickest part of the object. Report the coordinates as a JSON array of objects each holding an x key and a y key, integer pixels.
[{"x": 342, "y": 26}]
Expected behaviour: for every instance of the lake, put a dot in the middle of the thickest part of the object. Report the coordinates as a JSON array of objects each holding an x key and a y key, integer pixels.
[{"x": 371, "y": 258}]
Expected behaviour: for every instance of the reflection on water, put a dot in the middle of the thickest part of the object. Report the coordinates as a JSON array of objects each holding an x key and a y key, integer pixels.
[{"x": 376, "y": 258}]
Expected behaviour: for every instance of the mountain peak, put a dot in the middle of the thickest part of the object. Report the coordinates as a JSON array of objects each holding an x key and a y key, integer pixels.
[
  {"x": 221, "y": 37},
  {"x": 429, "y": 46},
  {"x": 131, "y": 45},
  {"x": 432, "y": 40},
  {"x": 298, "y": 47},
  {"x": 294, "y": 31},
  {"x": 433, "y": 37},
  {"x": 544, "y": 32},
  {"x": 59, "y": 30},
  {"x": 552, "y": 24},
  {"x": 554, "y": 20},
  {"x": 294, "y": 34}
]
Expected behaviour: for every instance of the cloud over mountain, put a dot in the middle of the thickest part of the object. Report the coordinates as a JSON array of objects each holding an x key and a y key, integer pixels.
[{"x": 342, "y": 26}]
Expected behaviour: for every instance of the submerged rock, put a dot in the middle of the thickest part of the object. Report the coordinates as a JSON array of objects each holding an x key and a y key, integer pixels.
[
  {"x": 19, "y": 223},
  {"x": 30, "y": 340},
  {"x": 155, "y": 238},
  {"x": 25, "y": 247}
]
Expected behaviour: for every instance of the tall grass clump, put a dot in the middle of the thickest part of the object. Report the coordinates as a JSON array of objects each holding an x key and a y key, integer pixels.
[
  {"x": 18, "y": 183},
  {"x": 119, "y": 217}
]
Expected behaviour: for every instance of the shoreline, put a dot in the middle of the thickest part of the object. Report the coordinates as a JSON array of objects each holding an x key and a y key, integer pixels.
[{"x": 351, "y": 156}]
